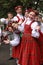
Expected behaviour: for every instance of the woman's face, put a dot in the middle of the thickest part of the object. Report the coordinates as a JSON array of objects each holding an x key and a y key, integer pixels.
[
  {"x": 10, "y": 29},
  {"x": 40, "y": 19},
  {"x": 32, "y": 15},
  {"x": 26, "y": 14},
  {"x": 19, "y": 10},
  {"x": 36, "y": 18},
  {"x": 10, "y": 15}
]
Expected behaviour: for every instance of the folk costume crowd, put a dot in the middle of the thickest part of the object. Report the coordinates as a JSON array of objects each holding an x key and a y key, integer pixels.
[{"x": 25, "y": 35}]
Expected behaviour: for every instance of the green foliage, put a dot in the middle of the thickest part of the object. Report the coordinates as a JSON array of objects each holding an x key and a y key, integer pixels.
[{"x": 8, "y": 5}]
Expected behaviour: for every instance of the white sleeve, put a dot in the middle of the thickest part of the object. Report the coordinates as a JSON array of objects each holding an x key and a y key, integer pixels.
[
  {"x": 34, "y": 33},
  {"x": 33, "y": 26},
  {"x": 15, "y": 42},
  {"x": 3, "y": 20},
  {"x": 41, "y": 28},
  {"x": 15, "y": 19},
  {"x": 21, "y": 27}
]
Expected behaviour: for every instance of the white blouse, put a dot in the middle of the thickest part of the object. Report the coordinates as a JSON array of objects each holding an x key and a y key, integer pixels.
[
  {"x": 16, "y": 19},
  {"x": 16, "y": 40},
  {"x": 3, "y": 20}
]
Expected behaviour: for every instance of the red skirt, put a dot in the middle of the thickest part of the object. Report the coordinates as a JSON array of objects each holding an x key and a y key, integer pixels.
[
  {"x": 41, "y": 46},
  {"x": 16, "y": 51},
  {"x": 29, "y": 51}
]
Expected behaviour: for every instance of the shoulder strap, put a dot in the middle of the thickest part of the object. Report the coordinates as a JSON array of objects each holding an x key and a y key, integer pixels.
[{"x": 18, "y": 18}]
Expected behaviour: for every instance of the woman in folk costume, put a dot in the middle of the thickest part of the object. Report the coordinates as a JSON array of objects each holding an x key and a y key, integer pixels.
[
  {"x": 39, "y": 22},
  {"x": 14, "y": 41},
  {"x": 30, "y": 50},
  {"x": 25, "y": 18},
  {"x": 17, "y": 19},
  {"x": 41, "y": 42},
  {"x": 26, "y": 13},
  {"x": 2, "y": 21},
  {"x": 9, "y": 17},
  {"x": 40, "y": 39},
  {"x": 5, "y": 22}
]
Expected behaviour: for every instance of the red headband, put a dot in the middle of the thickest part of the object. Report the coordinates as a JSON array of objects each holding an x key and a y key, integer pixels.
[
  {"x": 9, "y": 25},
  {"x": 26, "y": 10},
  {"x": 18, "y": 7},
  {"x": 31, "y": 10}
]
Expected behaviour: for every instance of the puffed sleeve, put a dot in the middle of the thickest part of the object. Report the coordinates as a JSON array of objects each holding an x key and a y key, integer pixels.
[
  {"x": 3, "y": 20},
  {"x": 15, "y": 41},
  {"x": 34, "y": 32},
  {"x": 15, "y": 19},
  {"x": 41, "y": 28},
  {"x": 21, "y": 27},
  {"x": 33, "y": 25}
]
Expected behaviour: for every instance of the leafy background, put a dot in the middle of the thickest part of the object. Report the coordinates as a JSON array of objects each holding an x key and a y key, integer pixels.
[{"x": 8, "y": 5}]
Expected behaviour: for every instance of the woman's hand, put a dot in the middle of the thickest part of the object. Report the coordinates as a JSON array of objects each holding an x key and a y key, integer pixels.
[
  {"x": 38, "y": 28},
  {"x": 20, "y": 22},
  {"x": 7, "y": 41},
  {"x": 15, "y": 25}
]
